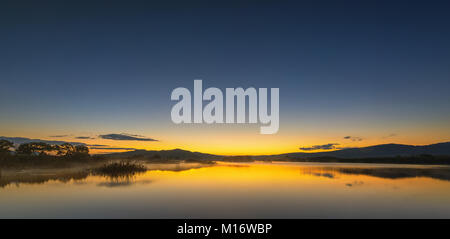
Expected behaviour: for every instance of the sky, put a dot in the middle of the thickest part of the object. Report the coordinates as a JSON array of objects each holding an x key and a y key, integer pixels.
[{"x": 350, "y": 73}]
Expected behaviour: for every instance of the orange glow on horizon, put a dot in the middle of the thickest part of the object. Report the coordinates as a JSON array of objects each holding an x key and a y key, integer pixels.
[{"x": 240, "y": 140}]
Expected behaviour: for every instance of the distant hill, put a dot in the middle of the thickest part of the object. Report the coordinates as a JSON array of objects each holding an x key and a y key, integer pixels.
[
  {"x": 382, "y": 150},
  {"x": 22, "y": 140},
  {"x": 377, "y": 151},
  {"x": 164, "y": 154}
]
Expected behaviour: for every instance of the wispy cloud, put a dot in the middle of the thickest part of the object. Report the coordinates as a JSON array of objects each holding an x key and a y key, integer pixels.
[
  {"x": 353, "y": 138},
  {"x": 84, "y": 137},
  {"x": 320, "y": 147},
  {"x": 123, "y": 136},
  {"x": 389, "y": 136},
  {"x": 111, "y": 148},
  {"x": 58, "y": 136},
  {"x": 134, "y": 135}
]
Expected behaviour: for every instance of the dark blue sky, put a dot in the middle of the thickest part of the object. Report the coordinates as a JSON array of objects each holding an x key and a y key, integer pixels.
[{"x": 113, "y": 64}]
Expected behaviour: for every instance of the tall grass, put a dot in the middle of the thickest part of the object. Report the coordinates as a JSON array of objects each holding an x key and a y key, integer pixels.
[{"x": 120, "y": 169}]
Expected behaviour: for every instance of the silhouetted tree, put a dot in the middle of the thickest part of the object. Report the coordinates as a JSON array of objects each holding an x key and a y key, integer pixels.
[
  {"x": 40, "y": 148},
  {"x": 65, "y": 149},
  {"x": 5, "y": 146},
  {"x": 82, "y": 149},
  {"x": 70, "y": 150}
]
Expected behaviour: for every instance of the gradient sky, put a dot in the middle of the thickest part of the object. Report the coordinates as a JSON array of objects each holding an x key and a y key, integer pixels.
[{"x": 374, "y": 70}]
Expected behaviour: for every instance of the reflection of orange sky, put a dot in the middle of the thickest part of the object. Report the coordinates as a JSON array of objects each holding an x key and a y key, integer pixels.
[
  {"x": 276, "y": 177},
  {"x": 228, "y": 190}
]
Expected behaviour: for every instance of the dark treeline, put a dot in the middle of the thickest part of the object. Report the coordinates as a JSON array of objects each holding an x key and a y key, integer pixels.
[
  {"x": 41, "y": 154},
  {"x": 41, "y": 148}
]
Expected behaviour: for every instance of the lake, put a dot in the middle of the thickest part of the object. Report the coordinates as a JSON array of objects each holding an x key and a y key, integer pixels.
[{"x": 231, "y": 190}]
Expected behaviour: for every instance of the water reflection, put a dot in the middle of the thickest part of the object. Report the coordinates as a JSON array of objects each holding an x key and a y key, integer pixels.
[
  {"x": 230, "y": 190},
  {"x": 77, "y": 175},
  {"x": 392, "y": 172},
  {"x": 40, "y": 176},
  {"x": 113, "y": 182}
]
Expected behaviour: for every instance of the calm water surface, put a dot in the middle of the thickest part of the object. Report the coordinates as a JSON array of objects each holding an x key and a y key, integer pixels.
[{"x": 231, "y": 190}]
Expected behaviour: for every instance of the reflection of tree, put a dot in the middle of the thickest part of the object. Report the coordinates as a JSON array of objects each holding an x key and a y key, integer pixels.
[
  {"x": 41, "y": 177},
  {"x": 35, "y": 178},
  {"x": 113, "y": 177},
  {"x": 118, "y": 181}
]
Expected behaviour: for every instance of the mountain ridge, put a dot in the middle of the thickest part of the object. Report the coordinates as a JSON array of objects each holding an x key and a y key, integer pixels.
[{"x": 375, "y": 151}]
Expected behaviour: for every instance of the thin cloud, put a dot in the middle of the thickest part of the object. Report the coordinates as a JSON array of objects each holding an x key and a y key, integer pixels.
[
  {"x": 353, "y": 138},
  {"x": 111, "y": 148},
  {"x": 133, "y": 135},
  {"x": 58, "y": 136},
  {"x": 320, "y": 147},
  {"x": 84, "y": 137},
  {"x": 123, "y": 136},
  {"x": 389, "y": 136}
]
